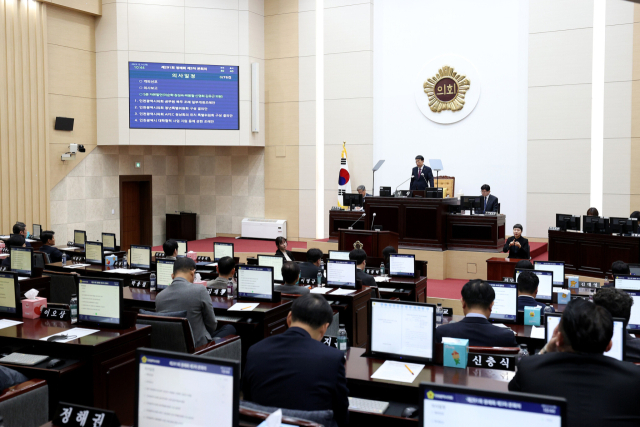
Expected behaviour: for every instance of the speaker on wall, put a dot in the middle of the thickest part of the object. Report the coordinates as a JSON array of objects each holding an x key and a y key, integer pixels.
[{"x": 64, "y": 123}]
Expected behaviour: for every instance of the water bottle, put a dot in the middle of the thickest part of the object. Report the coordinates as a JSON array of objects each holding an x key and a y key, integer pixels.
[
  {"x": 342, "y": 338},
  {"x": 152, "y": 282},
  {"x": 73, "y": 305},
  {"x": 439, "y": 314},
  {"x": 382, "y": 268},
  {"x": 64, "y": 258},
  {"x": 230, "y": 288},
  {"x": 524, "y": 352},
  {"x": 125, "y": 264},
  {"x": 319, "y": 278},
  {"x": 548, "y": 309},
  {"x": 322, "y": 272}
]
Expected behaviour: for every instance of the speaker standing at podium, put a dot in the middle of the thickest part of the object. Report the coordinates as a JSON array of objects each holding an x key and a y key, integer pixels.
[
  {"x": 489, "y": 202},
  {"x": 421, "y": 175}
]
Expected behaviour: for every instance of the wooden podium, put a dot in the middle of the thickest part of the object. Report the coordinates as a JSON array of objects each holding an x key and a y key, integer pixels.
[{"x": 373, "y": 242}]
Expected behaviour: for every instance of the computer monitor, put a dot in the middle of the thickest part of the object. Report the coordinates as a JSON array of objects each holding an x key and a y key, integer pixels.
[
  {"x": 344, "y": 255},
  {"x": 182, "y": 247},
  {"x": 403, "y": 265},
  {"x": 505, "y": 306},
  {"x": 10, "y": 304},
  {"x": 634, "y": 269},
  {"x": 627, "y": 283},
  {"x": 401, "y": 330},
  {"x": 595, "y": 224},
  {"x": 171, "y": 387},
  {"x": 221, "y": 250},
  {"x": 433, "y": 193},
  {"x": 100, "y": 302},
  {"x": 623, "y": 225},
  {"x": 79, "y": 237},
  {"x": 94, "y": 254},
  {"x": 557, "y": 267},
  {"x": 37, "y": 230},
  {"x": 164, "y": 270},
  {"x": 349, "y": 199},
  {"x": 109, "y": 241},
  {"x": 449, "y": 405},
  {"x": 21, "y": 260},
  {"x": 551, "y": 320},
  {"x": 255, "y": 282},
  {"x": 140, "y": 257},
  {"x": 275, "y": 262},
  {"x": 634, "y": 320},
  {"x": 545, "y": 283},
  {"x": 568, "y": 222},
  {"x": 341, "y": 273},
  {"x": 468, "y": 203}
]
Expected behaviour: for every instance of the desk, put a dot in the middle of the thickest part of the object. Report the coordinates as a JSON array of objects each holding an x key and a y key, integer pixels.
[
  {"x": 343, "y": 219},
  {"x": 523, "y": 333},
  {"x": 476, "y": 232},
  {"x": 497, "y": 268},
  {"x": 592, "y": 254},
  {"x": 413, "y": 288},
  {"x": 41, "y": 284},
  {"x": 97, "y": 270},
  {"x": 100, "y": 368}
]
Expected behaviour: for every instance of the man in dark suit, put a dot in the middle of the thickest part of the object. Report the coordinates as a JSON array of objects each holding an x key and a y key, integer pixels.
[
  {"x": 421, "y": 175},
  {"x": 48, "y": 239},
  {"x": 619, "y": 303},
  {"x": 294, "y": 370},
  {"x": 291, "y": 276},
  {"x": 360, "y": 257},
  {"x": 600, "y": 390},
  {"x": 527, "y": 291},
  {"x": 21, "y": 228},
  {"x": 362, "y": 190},
  {"x": 477, "y": 301},
  {"x": 170, "y": 249},
  {"x": 489, "y": 202},
  {"x": 310, "y": 268}
]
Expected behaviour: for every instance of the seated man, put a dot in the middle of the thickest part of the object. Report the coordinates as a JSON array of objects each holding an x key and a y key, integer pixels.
[
  {"x": 363, "y": 191},
  {"x": 16, "y": 240},
  {"x": 21, "y": 228},
  {"x": 600, "y": 390},
  {"x": 523, "y": 264},
  {"x": 386, "y": 253},
  {"x": 290, "y": 275},
  {"x": 9, "y": 378},
  {"x": 489, "y": 201},
  {"x": 226, "y": 269},
  {"x": 183, "y": 294},
  {"x": 527, "y": 291},
  {"x": 170, "y": 248},
  {"x": 617, "y": 268},
  {"x": 360, "y": 257},
  {"x": 294, "y": 370},
  {"x": 48, "y": 239},
  {"x": 477, "y": 301},
  {"x": 619, "y": 303},
  {"x": 309, "y": 269}
]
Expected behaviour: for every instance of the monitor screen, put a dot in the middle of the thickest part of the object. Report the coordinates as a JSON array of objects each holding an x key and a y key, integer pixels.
[
  {"x": 545, "y": 284},
  {"x": 183, "y": 96},
  {"x": 557, "y": 267},
  {"x": 182, "y": 247},
  {"x": 93, "y": 253},
  {"x": 272, "y": 261},
  {"x": 343, "y": 255},
  {"x": 402, "y": 330},
  {"x": 402, "y": 265},
  {"x": 37, "y": 229},
  {"x": 634, "y": 269},
  {"x": 173, "y": 388},
  {"x": 627, "y": 283},
  {"x": 445, "y": 405},
  {"x": 505, "y": 306},
  {"x": 551, "y": 321},
  {"x": 634, "y": 320},
  {"x": 21, "y": 260},
  {"x": 141, "y": 257},
  {"x": 99, "y": 301},
  {"x": 9, "y": 293},
  {"x": 79, "y": 237},
  {"x": 221, "y": 250},
  {"x": 617, "y": 349},
  {"x": 109, "y": 241},
  {"x": 341, "y": 273},
  {"x": 255, "y": 282},
  {"x": 164, "y": 271}
]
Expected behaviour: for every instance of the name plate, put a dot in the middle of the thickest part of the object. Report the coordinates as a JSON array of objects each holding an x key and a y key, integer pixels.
[
  {"x": 554, "y": 228},
  {"x": 141, "y": 284},
  {"x": 492, "y": 361},
  {"x": 491, "y": 213},
  {"x": 217, "y": 292},
  {"x": 70, "y": 414},
  {"x": 55, "y": 313},
  {"x": 330, "y": 341},
  {"x": 447, "y": 311},
  {"x": 635, "y": 234}
]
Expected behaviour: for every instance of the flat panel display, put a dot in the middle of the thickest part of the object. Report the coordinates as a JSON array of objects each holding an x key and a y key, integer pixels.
[{"x": 505, "y": 306}]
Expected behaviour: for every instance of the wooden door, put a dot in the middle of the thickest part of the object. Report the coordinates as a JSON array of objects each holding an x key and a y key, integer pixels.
[{"x": 135, "y": 211}]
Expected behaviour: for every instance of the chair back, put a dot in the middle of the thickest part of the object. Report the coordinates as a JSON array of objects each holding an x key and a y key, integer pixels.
[
  {"x": 62, "y": 286},
  {"x": 169, "y": 333},
  {"x": 39, "y": 259},
  {"x": 255, "y": 414},
  {"x": 47, "y": 258}
]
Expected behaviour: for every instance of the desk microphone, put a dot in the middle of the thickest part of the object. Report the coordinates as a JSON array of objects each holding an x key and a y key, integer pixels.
[
  {"x": 361, "y": 216},
  {"x": 373, "y": 220},
  {"x": 404, "y": 182}
]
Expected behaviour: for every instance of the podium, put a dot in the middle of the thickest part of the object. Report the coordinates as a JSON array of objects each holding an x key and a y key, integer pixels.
[{"x": 373, "y": 242}]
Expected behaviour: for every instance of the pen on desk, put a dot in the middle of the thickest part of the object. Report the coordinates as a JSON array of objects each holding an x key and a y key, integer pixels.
[
  {"x": 245, "y": 307},
  {"x": 409, "y": 369}
]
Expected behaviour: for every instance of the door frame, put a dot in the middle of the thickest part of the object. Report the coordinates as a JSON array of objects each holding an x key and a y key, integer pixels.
[{"x": 146, "y": 206}]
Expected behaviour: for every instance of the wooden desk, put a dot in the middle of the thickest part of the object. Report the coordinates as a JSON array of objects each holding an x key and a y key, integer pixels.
[
  {"x": 343, "y": 219},
  {"x": 373, "y": 242},
  {"x": 414, "y": 288},
  {"x": 592, "y": 254},
  {"x": 104, "y": 363},
  {"x": 477, "y": 232},
  {"x": 41, "y": 284},
  {"x": 101, "y": 271},
  {"x": 497, "y": 268}
]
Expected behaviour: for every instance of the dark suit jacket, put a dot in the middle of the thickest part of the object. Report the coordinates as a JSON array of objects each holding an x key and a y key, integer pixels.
[
  {"x": 293, "y": 371},
  {"x": 421, "y": 183},
  {"x": 367, "y": 280},
  {"x": 514, "y": 251},
  {"x": 278, "y": 253},
  {"x": 527, "y": 301},
  {"x": 479, "y": 332},
  {"x": 600, "y": 391},
  {"x": 6, "y": 262},
  {"x": 492, "y": 204},
  {"x": 308, "y": 270},
  {"x": 291, "y": 289},
  {"x": 55, "y": 255},
  {"x": 632, "y": 349}
]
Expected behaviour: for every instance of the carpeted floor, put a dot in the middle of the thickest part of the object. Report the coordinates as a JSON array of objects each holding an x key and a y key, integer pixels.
[
  {"x": 448, "y": 288},
  {"x": 240, "y": 245}
]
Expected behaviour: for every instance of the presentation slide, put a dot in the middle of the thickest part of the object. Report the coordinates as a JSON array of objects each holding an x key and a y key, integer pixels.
[
  {"x": 7, "y": 294},
  {"x": 183, "y": 96},
  {"x": 78, "y": 237},
  {"x": 182, "y": 247},
  {"x": 617, "y": 349},
  {"x": 634, "y": 320},
  {"x": 630, "y": 283},
  {"x": 221, "y": 250},
  {"x": 98, "y": 301},
  {"x": 545, "y": 284},
  {"x": 180, "y": 393},
  {"x": 339, "y": 255},
  {"x": 454, "y": 409},
  {"x": 21, "y": 260},
  {"x": 164, "y": 270},
  {"x": 272, "y": 261},
  {"x": 401, "y": 265},
  {"x": 402, "y": 329},
  {"x": 93, "y": 253},
  {"x": 505, "y": 306},
  {"x": 255, "y": 282},
  {"x": 108, "y": 241},
  {"x": 341, "y": 273},
  {"x": 140, "y": 257},
  {"x": 556, "y": 268}
]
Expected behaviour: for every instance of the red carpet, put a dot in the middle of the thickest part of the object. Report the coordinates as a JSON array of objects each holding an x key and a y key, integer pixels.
[
  {"x": 240, "y": 245},
  {"x": 536, "y": 249},
  {"x": 448, "y": 288}
]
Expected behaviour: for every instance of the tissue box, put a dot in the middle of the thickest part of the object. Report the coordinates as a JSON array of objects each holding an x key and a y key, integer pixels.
[
  {"x": 455, "y": 352},
  {"x": 192, "y": 255},
  {"x": 532, "y": 316},
  {"x": 564, "y": 296},
  {"x": 110, "y": 260},
  {"x": 31, "y": 308},
  {"x": 574, "y": 282}
]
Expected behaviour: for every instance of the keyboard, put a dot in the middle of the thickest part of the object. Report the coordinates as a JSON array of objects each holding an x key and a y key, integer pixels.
[
  {"x": 229, "y": 318},
  {"x": 366, "y": 405},
  {"x": 23, "y": 359}
]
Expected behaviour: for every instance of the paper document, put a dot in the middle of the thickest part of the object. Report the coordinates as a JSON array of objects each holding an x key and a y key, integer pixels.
[
  {"x": 23, "y": 278},
  {"x": 501, "y": 325},
  {"x": 126, "y": 271},
  {"x": 320, "y": 290},
  {"x": 537, "y": 332},
  {"x": 76, "y": 265},
  {"x": 381, "y": 279},
  {"x": 243, "y": 306},
  {"x": 398, "y": 371},
  {"x": 213, "y": 264},
  {"x": 387, "y": 289},
  {"x": 72, "y": 248},
  {"x": 343, "y": 291},
  {"x": 4, "y": 323},
  {"x": 72, "y": 334}
]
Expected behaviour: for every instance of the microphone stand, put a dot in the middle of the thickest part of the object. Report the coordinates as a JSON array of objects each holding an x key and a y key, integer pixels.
[
  {"x": 361, "y": 216},
  {"x": 373, "y": 220}
]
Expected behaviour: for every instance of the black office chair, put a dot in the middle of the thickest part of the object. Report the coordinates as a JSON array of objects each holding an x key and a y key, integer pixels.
[
  {"x": 62, "y": 286},
  {"x": 39, "y": 260}
]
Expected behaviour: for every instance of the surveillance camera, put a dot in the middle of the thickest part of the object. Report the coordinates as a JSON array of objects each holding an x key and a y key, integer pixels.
[
  {"x": 81, "y": 148},
  {"x": 73, "y": 148}
]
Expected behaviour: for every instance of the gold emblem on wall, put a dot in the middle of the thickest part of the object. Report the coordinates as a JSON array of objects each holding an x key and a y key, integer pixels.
[
  {"x": 358, "y": 245},
  {"x": 446, "y": 90}
]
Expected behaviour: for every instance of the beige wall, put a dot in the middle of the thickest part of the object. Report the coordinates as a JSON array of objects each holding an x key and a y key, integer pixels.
[{"x": 635, "y": 116}]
